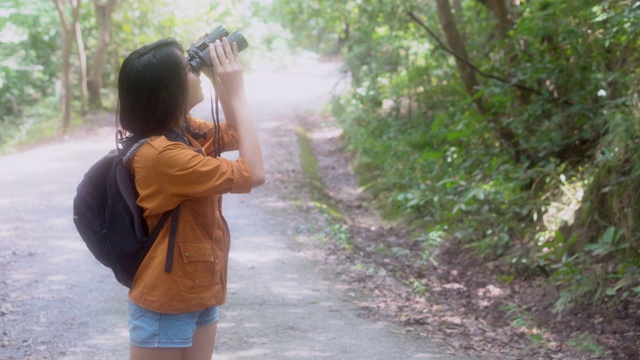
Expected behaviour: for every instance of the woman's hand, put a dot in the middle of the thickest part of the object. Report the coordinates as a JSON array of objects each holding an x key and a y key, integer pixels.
[{"x": 227, "y": 68}]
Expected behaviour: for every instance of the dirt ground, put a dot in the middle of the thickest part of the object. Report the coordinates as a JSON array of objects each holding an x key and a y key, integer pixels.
[{"x": 462, "y": 300}]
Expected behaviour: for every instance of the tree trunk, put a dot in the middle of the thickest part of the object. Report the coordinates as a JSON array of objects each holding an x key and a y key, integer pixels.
[
  {"x": 459, "y": 16},
  {"x": 456, "y": 44},
  {"x": 467, "y": 74},
  {"x": 66, "y": 81},
  {"x": 502, "y": 14},
  {"x": 104, "y": 10},
  {"x": 82, "y": 60},
  {"x": 67, "y": 31}
]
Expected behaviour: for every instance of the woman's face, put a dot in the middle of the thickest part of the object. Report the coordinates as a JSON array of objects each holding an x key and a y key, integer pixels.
[{"x": 195, "y": 90}]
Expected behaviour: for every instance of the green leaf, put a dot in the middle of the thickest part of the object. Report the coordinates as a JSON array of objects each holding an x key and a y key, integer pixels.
[
  {"x": 609, "y": 235},
  {"x": 611, "y": 291},
  {"x": 428, "y": 155}
]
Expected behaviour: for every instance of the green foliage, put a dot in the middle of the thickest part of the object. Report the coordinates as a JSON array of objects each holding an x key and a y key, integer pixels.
[
  {"x": 417, "y": 287},
  {"x": 584, "y": 341},
  {"x": 560, "y": 197},
  {"x": 522, "y": 319},
  {"x": 37, "y": 123},
  {"x": 30, "y": 46},
  {"x": 28, "y": 37}
]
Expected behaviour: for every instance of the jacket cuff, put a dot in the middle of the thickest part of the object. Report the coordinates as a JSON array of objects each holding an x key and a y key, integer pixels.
[{"x": 242, "y": 181}]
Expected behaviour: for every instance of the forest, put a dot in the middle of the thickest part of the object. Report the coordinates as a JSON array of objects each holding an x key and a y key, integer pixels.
[{"x": 508, "y": 128}]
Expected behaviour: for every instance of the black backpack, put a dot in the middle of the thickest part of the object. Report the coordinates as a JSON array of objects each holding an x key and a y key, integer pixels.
[{"x": 110, "y": 221}]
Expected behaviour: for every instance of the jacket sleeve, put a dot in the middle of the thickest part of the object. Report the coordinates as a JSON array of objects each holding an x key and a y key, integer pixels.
[
  {"x": 229, "y": 140},
  {"x": 174, "y": 173}
]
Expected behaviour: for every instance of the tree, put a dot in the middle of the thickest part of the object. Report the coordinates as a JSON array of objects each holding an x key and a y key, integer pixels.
[
  {"x": 103, "y": 10},
  {"x": 543, "y": 94},
  {"x": 468, "y": 74},
  {"x": 67, "y": 34},
  {"x": 82, "y": 61}
]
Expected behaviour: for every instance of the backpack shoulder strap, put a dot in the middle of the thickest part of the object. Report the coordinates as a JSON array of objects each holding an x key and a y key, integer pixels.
[
  {"x": 168, "y": 266},
  {"x": 175, "y": 217},
  {"x": 163, "y": 219},
  {"x": 127, "y": 154}
]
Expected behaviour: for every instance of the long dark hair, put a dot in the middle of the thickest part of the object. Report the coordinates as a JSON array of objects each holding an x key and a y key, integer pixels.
[{"x": 152, "y": 89}]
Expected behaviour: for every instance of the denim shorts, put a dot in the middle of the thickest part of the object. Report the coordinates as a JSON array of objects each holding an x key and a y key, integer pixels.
[{"x": 150, "y": 329}]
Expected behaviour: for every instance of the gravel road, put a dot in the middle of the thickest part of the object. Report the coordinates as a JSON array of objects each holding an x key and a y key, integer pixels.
[{"x": 58, "y": 302}]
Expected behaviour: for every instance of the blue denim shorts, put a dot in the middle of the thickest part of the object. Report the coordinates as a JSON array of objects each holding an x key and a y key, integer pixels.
[{"x": 151, "y": 329}]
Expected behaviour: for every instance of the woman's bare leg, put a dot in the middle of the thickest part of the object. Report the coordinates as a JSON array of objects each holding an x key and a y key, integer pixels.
[
  {"x": 140, "y": 353},
  {"x": 202, "y": 344}
]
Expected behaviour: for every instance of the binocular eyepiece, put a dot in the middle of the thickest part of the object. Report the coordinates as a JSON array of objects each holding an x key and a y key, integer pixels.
[{"x": 198, "y": 54}]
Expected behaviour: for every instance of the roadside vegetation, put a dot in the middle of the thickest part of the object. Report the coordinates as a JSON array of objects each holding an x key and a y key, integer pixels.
[
  {"x": 506, "y": 130},
  {"x": 511, "y": 128}
]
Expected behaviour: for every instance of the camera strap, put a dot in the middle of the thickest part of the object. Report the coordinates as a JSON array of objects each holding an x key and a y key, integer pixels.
[{"x": 217, "y": 133}]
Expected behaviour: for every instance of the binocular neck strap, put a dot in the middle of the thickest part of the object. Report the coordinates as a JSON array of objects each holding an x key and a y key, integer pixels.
[{"x": 217, "y": 133}]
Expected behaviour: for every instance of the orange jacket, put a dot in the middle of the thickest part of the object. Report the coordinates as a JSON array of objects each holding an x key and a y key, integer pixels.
[{"x": 170, "y": 173}]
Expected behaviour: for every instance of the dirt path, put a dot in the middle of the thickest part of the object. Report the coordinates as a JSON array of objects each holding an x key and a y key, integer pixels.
[{"x": 57, "y": 302}]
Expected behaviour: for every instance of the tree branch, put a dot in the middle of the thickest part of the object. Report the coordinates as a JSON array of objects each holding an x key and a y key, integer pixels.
[
  {"x": 63, "y": 18},
  {"x": 469, "y": 64},
  {"x": 75, "y": 5}
]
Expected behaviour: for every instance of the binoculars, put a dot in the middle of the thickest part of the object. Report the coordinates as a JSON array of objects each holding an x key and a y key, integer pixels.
[{"x": 198, "y": 54}]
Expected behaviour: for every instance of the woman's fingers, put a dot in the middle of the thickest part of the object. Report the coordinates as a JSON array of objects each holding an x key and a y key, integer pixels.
[
  {"x": 220, "y": 52},
  {"x": 225, "y": 53},
  {"x": 213, "y": 54},
  {"x": 227, "y": 50},
  {"x": 227, "y": 69},
  {"x": 235, "y": 50}
]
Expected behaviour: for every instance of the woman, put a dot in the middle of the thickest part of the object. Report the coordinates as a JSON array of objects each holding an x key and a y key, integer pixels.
[{"x": 173, "y": 312}]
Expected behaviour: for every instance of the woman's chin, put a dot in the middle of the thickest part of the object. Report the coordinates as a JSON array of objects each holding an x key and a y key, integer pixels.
[{"x": 195, "y": 103}]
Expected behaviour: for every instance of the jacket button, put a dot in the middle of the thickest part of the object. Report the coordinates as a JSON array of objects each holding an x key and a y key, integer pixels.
[{"x": 187, "y": 254}]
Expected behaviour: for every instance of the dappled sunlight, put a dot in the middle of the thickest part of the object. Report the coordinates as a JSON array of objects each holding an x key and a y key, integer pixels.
[
  {"x": 56, "y": 278},
  {"x": 270, "y": 125},
  {"x": 50, "y": 157},
  {"x": 284, "y": 290},
  {"x": 241, "y": 354},
  {"x": 64, "y": 258},
  {"x": 79, "y": 247},
  {"x": 490, "y": 291},
  {"x": 453, "y": 286},
  {"x": 292, "y": 290},
  {"x": 488, "y": 295},
  {"x": 109, "y": 339},
  {"x": 275, "y": 202},
  {"x": 230, "y": 324},
  {"x": 561, "y": 211},
  {"x": 326, "y": 133},
  {"x": 258, "y": 257},
  {"x": 113, "y": 337},
  {"x": 57, "y": 222},
  {"x": 13, "y": 166},
  {"x": 26, "y": 274},
  {"x": 303, "y": 354}
]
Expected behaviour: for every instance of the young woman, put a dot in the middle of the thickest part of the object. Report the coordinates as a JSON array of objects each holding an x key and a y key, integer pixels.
[{"x": 173, "y": 306}]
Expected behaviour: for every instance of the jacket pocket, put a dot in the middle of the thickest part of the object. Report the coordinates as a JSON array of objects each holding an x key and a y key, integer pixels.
[{"x": 199, "y": 266}]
